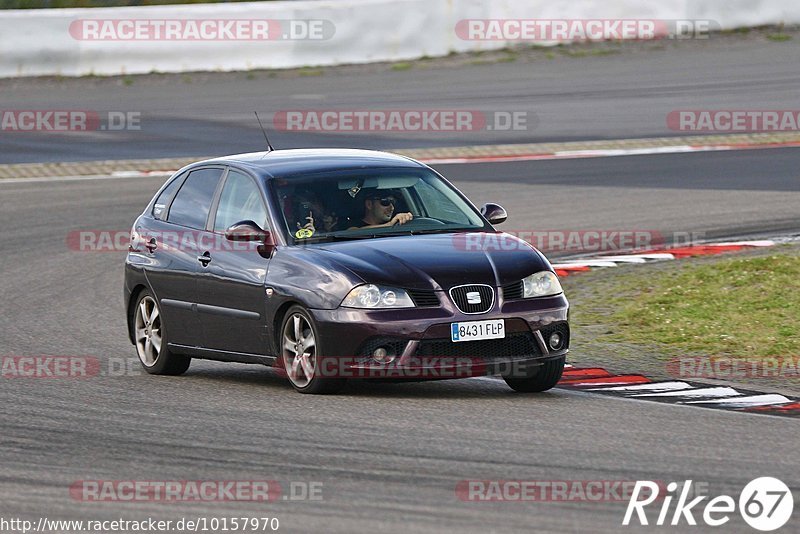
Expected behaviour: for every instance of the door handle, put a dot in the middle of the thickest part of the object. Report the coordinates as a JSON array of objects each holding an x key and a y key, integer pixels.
[
  {"x": 151, "y": 245},
  {"x": 205, "y": 258}
]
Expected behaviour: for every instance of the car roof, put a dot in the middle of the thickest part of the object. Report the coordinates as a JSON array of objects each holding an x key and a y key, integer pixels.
[{"x": 285, "y": 163}]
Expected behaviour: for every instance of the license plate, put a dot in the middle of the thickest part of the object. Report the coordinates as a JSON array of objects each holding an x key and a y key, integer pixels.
[{"x": 477, "y": 330}]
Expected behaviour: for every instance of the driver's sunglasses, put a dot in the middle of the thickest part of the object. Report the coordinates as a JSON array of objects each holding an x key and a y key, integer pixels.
[{"x": 387, "y": 201}]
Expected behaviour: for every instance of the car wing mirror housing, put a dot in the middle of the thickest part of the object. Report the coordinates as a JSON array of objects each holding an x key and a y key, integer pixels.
[
  {"x": 494, "y": 213},
  {"x": 246, "y": 231}
]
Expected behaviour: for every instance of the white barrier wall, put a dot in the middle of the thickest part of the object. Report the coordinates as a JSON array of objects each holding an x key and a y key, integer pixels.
[{"x": 39, "y": 42}]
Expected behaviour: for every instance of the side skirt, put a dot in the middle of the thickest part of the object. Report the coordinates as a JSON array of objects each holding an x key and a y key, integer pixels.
[{"x": 222, "y": 355}]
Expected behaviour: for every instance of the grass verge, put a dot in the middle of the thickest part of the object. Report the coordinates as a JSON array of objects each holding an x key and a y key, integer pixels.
[{"x": 637, "y": 318}]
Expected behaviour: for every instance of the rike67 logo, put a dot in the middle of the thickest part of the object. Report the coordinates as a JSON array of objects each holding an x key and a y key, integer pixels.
[{"x": 765, "y": 504}]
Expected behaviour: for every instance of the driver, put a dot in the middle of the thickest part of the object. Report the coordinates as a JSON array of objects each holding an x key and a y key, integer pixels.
[{"x": 379, "y": 211}]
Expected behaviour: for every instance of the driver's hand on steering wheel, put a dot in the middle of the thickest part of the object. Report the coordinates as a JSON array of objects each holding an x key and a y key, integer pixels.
[{"x": 401, "y": 218}]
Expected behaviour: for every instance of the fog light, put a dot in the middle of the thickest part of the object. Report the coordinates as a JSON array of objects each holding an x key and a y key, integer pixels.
[
  {"x": 555, "y": 341},
  {"x": 382, "y": 355}
]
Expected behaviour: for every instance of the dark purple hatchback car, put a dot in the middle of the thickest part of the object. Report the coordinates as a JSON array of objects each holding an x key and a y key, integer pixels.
[{"x": 337, "y": 264}]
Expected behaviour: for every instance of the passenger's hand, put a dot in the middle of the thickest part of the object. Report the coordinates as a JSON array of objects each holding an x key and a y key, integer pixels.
[
  {"x": 310, "y": 224},
  {"x": 401, "y": 218}
]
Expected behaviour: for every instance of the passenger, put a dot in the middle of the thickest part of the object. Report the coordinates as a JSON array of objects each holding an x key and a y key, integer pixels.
[
  {"x": 306, "y": 201},
  {"x": 379, "y": 209}
]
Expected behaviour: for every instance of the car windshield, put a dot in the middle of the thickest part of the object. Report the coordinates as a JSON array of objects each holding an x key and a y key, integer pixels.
[{"x": 371, "y": 203}]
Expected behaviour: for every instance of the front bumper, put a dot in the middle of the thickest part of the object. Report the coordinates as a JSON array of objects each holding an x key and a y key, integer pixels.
[{"x": 420, "y": 340}]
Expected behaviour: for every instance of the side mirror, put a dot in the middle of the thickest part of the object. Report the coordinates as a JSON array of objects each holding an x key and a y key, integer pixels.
[
  {"x": 247, "y": 231},
  {"x": 494, "y": 213}
]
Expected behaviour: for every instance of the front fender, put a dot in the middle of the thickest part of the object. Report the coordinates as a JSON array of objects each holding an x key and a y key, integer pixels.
[{"x": 314, "y": 280}]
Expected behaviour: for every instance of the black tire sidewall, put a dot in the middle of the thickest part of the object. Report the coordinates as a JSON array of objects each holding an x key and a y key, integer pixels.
[{"x": 546, "y": 378}]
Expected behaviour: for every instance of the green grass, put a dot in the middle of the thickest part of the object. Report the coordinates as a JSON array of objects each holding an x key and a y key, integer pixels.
[
  {"x": 737, "y": 307},
  {"x": 403, "y": 65},
  {"x": 308, "y": 71},
  {"x": 779, "y": 37},
  {"x": 589, "y": 52},
  {"x": 736, "y": 31}
]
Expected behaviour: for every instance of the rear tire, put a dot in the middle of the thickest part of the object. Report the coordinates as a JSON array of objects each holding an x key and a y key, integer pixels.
[
  {"x": 150, "y": 339},
  {"x": 301, "y": 354},
  {"x": 547, "y": 376}
]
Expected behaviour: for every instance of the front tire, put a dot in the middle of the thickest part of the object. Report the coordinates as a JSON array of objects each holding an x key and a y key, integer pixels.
[
  {"x": 150, "y": 338},
  {"x": 301, "y": 354},
  {"x": 546, "y": 377}
]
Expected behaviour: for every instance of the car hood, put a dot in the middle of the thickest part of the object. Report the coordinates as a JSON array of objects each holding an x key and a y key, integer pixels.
[{"x": 438, "y": 261}]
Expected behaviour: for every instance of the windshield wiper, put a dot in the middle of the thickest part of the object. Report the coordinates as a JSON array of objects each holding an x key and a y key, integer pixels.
[
  {"x": 425, "y": 231},
  {"x": 444, "y": 230},
  {"x": 395, "y": 233},
  {"x": 333, "y": 237}
]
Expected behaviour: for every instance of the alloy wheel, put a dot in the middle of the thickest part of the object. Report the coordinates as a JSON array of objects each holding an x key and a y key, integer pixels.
[
  {"x": 148, "y": 331},
  {"x": 299, "y": 350}
]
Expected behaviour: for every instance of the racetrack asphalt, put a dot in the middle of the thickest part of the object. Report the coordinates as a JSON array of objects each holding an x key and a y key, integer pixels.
[{"x": 389, "y": 456}]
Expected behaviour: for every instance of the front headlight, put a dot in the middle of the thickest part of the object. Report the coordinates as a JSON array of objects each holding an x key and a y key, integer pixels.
[
  {"x": 370, "y": 296},
  {"x": 543, "y": 284}
]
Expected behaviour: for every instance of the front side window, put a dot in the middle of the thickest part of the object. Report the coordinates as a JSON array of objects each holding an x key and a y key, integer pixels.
[
  {"x": 193, "y": 201},
  {"x": 240, "y": 201}
]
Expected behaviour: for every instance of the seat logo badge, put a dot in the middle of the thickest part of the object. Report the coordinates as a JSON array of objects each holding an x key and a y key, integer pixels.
[{"x": 473, "y": 297}]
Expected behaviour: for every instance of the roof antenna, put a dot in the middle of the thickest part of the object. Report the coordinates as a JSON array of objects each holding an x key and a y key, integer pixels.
[{"x": 269, "y": 145}]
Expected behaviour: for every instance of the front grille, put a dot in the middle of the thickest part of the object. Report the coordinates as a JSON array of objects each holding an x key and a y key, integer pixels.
[
  {"x": 424, "y": 298},
  {"x": 513, "y": 291},
  {"x": 520, "y": 344},
  {"x": 463, "y": 295},
  {"x": 561, "y": 328}
]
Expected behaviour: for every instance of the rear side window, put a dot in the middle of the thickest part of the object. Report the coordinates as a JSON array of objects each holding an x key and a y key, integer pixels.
[
  {"x": 193, "y": 201},
  {"x": 160, "y": 207}
]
